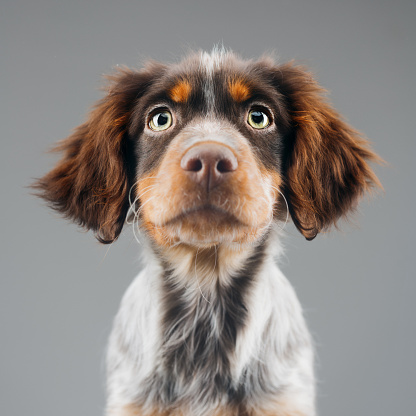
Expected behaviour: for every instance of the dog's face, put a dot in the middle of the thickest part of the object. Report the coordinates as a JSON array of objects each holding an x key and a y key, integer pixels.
[{"x": 210, "y": 151}]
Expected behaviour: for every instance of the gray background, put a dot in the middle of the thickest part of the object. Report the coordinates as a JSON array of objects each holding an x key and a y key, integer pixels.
[{"x": 60, "y": 289}]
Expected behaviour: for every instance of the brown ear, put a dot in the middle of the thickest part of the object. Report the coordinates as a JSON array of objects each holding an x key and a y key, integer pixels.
[
  {"x": 327, "y": 161},
  {"x": 90, "y": 184}
]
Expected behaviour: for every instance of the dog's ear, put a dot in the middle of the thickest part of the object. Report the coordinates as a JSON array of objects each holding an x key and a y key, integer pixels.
[
  {"x": 326, "y": 160},
  {"x": 90, "y": 185}
]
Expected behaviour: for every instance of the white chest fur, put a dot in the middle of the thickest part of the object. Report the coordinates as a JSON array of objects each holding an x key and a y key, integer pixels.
[{"x": 271, "y": 357}]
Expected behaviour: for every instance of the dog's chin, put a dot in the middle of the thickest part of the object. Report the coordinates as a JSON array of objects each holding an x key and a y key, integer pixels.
[{"x": 209, "y": 226}]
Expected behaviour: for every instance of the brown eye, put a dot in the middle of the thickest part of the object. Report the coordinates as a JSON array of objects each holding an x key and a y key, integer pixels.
[
  {"x": 258, "y": 119},
  {"x": 161, "y": 121}
]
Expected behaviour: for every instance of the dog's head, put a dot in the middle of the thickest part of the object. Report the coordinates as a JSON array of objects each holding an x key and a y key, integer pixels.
[{"x": 210, "y": 150}]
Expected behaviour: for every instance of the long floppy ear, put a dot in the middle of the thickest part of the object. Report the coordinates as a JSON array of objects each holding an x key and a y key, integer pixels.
[
  {"x": 326, "y": 160},
  {"x": 90, "y": 184}
]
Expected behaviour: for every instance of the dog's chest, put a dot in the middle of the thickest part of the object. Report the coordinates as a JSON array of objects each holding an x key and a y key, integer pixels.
[{"x": 199, "y": 341}]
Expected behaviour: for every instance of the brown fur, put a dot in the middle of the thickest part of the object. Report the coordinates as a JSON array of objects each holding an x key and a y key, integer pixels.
[
  {"x": 180, "y": 91},
  {"x": 90, "y": 184},
  {"x": 327, "y": 165},
  {"x": 239, "y": 90}
]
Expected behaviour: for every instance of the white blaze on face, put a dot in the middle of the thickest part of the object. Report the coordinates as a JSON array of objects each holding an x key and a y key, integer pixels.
[
  {"x": 211, "y": 129},
  {"x": 209, "y": 63}
]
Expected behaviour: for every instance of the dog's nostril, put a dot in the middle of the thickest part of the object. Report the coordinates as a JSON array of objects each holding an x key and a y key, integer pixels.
[
  {"x": 193, "y": 165},
  {"x": 225, "y": 165}
]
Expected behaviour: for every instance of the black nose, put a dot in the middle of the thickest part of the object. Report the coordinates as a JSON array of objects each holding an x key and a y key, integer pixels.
[{"x": 209, "y": 164}]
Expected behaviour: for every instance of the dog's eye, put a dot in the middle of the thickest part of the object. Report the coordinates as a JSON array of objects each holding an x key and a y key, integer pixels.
[
  {"x": 257, "y": 119},
  {"x": 161, "y": 121}
]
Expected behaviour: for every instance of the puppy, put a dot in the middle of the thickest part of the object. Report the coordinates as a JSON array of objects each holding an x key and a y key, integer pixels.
[{"x": 208, "y": 158}]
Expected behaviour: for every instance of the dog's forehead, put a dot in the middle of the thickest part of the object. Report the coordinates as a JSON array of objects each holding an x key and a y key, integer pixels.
[
  {"x": 206, "y": 65},
  {"x": 213, "y": 78}
]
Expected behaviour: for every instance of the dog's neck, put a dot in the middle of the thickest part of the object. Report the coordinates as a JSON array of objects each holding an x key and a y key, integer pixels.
[
  {"x": 206, "y": 297},
  {"x": 206, "y": 269}
]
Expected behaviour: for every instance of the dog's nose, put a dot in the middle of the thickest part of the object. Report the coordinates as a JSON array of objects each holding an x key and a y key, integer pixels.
[{"x": 209, "y": 164}]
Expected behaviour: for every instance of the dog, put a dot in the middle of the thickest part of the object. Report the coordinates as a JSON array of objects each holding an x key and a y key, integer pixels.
[{"x": 208, "y": 158}]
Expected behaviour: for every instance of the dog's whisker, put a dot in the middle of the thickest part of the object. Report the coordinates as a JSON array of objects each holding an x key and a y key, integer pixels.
[
  {"x": 196, "y": 277},
  {"x": 287, "y": 207},
  {"x": 135, "y": 224},
  {"x": 132, "y": 204},
  {"x": 136, "y": 221}
]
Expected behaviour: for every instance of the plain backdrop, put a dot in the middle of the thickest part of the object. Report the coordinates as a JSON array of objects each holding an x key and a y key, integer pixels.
[{"x": 60, "y": 289}]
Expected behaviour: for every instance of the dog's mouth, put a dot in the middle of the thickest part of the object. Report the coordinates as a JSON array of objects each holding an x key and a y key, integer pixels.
[
  {"x": 207, "y": 225},
  {"x": 205, "y": 214}
]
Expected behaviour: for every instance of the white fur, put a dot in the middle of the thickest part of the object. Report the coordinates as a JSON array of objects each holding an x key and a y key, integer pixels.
[
  {"x": 210, "y": 62},
  {"x": 274, "y": 343}
]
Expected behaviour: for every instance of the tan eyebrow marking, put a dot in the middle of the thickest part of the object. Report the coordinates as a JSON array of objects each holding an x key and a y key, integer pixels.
[
  {"x": 180, "y": 91},
  {"x": 239, "y": 89}
]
